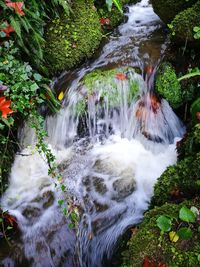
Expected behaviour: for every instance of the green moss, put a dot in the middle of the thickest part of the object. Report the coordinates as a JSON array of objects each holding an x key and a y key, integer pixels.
[
  {"x": 183, "y": 24},
  {"x": 178, "y": 182},
  {"x": 168, "y": 9},
  {"x": 70, "y": 40},
  {"x": 108, "y": 85},
  {"x": 168, "y": 86},
  {"x": 148, "y": 241}
]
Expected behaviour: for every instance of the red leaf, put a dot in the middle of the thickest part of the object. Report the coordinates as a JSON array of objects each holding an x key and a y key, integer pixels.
[
  {"x": 17, "y": 6},
  {"x": 147, "y": 263},
  {"x": 8, "y": 30},
  {"x": 5, "y": 107},
  {"x": 104, "y": 21},
  {"x": 198, "y": 115},
  {"x": 121, "y": 76}
]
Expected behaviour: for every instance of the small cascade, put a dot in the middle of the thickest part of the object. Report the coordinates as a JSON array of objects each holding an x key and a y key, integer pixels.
[{"x": 112, "y": 139}]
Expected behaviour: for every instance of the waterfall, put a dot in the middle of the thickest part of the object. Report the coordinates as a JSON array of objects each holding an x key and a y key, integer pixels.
[{"x": 112, "y": 140}]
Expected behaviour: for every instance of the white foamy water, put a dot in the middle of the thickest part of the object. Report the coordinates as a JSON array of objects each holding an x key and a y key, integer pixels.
[{"x": 109, "y": 156}]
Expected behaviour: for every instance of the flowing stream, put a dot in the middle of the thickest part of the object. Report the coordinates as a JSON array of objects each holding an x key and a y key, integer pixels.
[{"x": 109, "y": 155}]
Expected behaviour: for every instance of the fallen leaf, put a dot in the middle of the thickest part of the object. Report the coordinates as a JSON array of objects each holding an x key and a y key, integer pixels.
[
  {"x": 198, "y": 115},
  {"x": 104, "y": 21},
  {"x": 60, "y": 96},
  {"x": 121, "y": 76},
  {"x": 5, "y": 107},
  {"x": 173, "y": 236},
  {"x": 147, "y": 262}
]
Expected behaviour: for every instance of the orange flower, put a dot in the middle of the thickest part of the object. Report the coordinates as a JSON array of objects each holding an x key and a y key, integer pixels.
[
  {"x": 8, "y": 30},
  {"x": 121, "y": 76},
  {"x": 5, "y": 107},
  {"x": 17, "y": 6}
]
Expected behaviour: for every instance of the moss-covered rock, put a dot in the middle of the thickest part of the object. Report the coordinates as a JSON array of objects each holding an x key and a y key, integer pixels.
[
  {"x": 148, "y": 241},
  {"x": 110, "y": 84},
  {"x": 168, "y": 9},
  {"x": 182, "y": 180},
  {"x": 183, "y": 24},
  {"x": 69, "y": 40},
  {"x": 168, "y": 86}
]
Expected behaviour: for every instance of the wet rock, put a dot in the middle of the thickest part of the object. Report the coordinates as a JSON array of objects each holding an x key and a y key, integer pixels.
[
  {"x": 100, "y": 207},
  {"x": 99, "y": 185},
  {"x": 48, "y": 198},
  {"x": 123, "y": 187},
  {"x": 31, "y": 212}
]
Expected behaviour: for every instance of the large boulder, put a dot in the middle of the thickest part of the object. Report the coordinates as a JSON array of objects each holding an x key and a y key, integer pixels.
[
  {"x": 148, "y": 247},
  {"x": 168, "y": 9},
  {"x": 71, "y": 39},
  {"x": 168, "y": 86},
  {"x": 183, "y": 24}
]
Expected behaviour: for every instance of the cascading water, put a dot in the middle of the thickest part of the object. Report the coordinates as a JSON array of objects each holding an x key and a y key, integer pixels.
[{"x": 111, "y": 141}]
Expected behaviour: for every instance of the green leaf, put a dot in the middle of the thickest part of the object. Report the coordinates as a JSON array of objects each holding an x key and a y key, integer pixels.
[
  {"x": 2, "y": 34},
  {"x": 9, "y": 228},
  {"x": 1, "y": 220},
  {"x": 63, "y": 187},
  {"x": 164, "y": 223},
  {"x": 198, "y": 257},
  {"x": 37, "y": 77},
  {"x": 198, "y": 229},
  {"x": 187, "y": 215},
  {"x": 61, "y": 202},
  {"x": 184, "y": 233},
  {"x": 196, "y": 29}
]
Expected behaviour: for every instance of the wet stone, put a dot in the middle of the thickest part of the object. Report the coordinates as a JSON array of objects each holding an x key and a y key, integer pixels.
[
  {"x": 48, "y": 199},
  {"x": 99, "y": 185},
  {"x": 123, "y": 187},
  {"x": 31, "y": 212},
  {"x": 100, "y": 207}
]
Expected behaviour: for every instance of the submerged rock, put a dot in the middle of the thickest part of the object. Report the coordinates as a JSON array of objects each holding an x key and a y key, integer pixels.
[{"x": 124, "y": 187}]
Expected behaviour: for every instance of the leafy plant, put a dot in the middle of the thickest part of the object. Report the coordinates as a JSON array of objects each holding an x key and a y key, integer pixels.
[{"x": 166, "y": 224}]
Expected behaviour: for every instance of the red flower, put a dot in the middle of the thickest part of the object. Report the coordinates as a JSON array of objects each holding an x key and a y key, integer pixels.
[
  {"x": 198, "y": 116},
  {"x": 17, "y": 6},
  {"x": 121, "y": 76},
  {"x": 8, "y": 30},
  {"x": 5, "y": 107},
  {"x": 104, "y": 21},
  {"x": 147, "y": 263}
]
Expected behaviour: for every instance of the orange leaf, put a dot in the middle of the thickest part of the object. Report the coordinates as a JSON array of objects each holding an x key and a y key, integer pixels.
[
  {"x": 121, "y": 76},
  {"x": 17, "y": 6},
  {"x": 5, "y": 107}
]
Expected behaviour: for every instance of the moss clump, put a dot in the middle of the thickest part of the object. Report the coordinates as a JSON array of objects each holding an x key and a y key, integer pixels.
[
  {"x": 182, "y": 180},
  {"x": 168, "y": 9},
  {"x": 69, "y": 40},
  {"x": 148, "y": 242},
  {"x": 168, "y": 86},
  {"x": 183, "y": 24},
  {"x": 109, "y": 83}
]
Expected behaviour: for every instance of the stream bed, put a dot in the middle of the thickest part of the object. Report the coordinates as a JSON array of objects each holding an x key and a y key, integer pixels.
[{"x": 109, "y": 164}]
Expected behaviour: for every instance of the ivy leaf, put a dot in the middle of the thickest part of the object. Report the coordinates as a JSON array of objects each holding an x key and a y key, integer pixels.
[
  {"x": 109, "y": 4},
  {"x": 187, "y": 215},
  {"x": 61, "y": 202},
  {"x": 184, "y": 233},
  {"x": 164, "y": 223},
  {"x": 37, "y": 77}
]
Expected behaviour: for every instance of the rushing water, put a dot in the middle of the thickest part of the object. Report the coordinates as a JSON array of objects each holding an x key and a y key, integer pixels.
[{"x": 110, "y": 162}]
